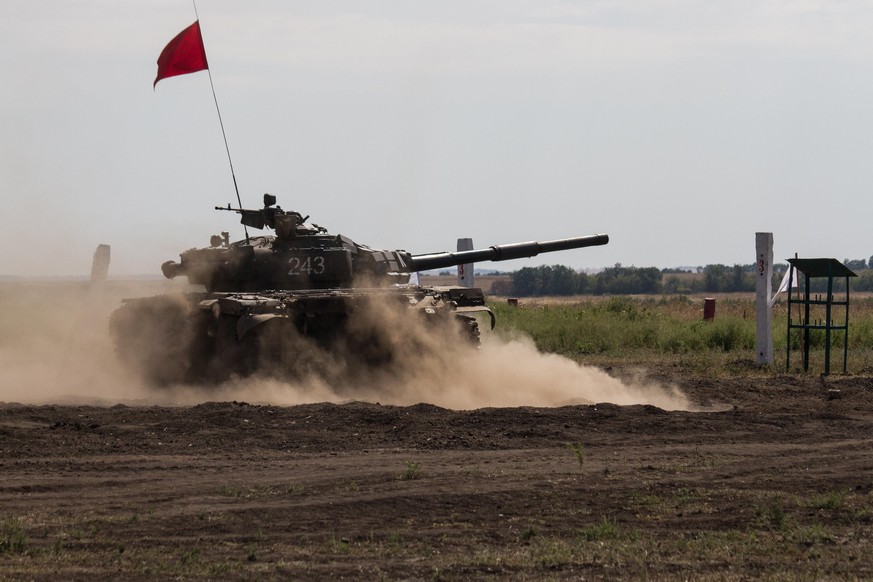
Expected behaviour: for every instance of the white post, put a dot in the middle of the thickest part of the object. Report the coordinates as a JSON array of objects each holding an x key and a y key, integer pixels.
[
  {"x": 763, "y": 289},
  {"x": 100, "y": 264},
  {"x": 465, "y": 271},
  {"x": 99, "y": 272}
]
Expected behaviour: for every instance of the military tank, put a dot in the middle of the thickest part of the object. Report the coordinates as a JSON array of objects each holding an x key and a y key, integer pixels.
[{"x": 272, "y": 301}]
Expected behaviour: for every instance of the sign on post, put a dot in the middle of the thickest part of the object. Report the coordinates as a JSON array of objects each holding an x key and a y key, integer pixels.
[{"x": 465, "y": 271}]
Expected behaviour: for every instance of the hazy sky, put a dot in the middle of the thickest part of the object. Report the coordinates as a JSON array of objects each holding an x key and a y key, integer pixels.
[{"x": 679, "y": 127}]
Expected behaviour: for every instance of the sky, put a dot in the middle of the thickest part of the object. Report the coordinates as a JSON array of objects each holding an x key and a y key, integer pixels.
[{"x": 679, "y": 127}]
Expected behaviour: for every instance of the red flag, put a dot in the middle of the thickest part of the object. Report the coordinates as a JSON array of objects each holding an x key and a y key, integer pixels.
[{"x": 182, "y": 55}]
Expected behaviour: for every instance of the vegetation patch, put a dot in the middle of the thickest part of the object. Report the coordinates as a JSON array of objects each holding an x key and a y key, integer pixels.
[
  {"x": 829, "y": 500},
  {"x": 606, "y": 529},
  {"x": 412, "y": 471},
  {"x": 578, "y": 450},
  {"x": 662, "y": 329},
  {"x": 13, "y": 539}
]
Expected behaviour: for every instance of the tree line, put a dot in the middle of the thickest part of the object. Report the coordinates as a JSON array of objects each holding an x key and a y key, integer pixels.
[{"x": 620, "y": 280}]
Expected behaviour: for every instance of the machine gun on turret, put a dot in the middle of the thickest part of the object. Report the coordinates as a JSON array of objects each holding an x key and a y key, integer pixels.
[{"x": 286, "y": 223}]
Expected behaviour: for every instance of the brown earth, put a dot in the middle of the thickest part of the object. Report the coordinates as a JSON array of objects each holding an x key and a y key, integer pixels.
[{"x": 772, "y": 480}]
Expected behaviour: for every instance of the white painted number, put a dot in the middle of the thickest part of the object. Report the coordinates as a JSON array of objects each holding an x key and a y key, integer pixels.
[{"x": 308, "y": 266}]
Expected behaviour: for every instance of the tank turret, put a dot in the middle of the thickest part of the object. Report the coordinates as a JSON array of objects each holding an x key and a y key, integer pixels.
[{"x": 305, "y": 256}]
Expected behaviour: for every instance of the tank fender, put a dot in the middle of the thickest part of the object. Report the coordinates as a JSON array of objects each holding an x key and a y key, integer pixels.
[
  {"x": 207, "y": 305},
  {"x": 478, "y": 309},
  {"x": 247, "y": 323},
  {"x": 233, "y": 308}
]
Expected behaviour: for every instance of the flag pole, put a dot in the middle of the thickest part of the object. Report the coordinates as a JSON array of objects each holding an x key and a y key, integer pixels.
[{"x": 221, "y": 123}]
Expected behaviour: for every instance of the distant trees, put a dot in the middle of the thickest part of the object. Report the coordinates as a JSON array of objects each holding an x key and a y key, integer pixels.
[
  {"x": 856, "y": 264},
  {"x": 621, "y": 280},
  {"x": 724, "y": 279},
  {"x": 864, "y": 281},
  {"x": 560, "y": 280},
  {"x": 553, "y": 280}
]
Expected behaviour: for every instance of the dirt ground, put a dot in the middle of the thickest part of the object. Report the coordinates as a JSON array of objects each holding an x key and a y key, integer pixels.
[{"x": 771, "y": 480}]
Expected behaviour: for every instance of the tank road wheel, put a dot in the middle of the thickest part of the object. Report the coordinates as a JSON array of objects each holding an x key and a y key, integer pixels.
[
  {"x": 278, "y": 348},
  {"x": 469, "y": 328},
  {"x": 373, "y": 347},
  {"x": 225, "y": 354},
  {"x": 273, "y": 348}
]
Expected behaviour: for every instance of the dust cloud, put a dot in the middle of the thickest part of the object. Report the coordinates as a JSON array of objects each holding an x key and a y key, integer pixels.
[{"x": 55, "y": 348}]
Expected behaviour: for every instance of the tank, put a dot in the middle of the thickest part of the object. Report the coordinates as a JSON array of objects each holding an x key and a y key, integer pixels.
[{"x": 271, "y": 300}]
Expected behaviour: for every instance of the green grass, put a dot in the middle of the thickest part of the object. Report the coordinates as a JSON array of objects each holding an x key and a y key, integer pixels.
[
  {"x": 641, "y": 330},
  {"x": 606, "y": 529},
  {"x": 412, "y": 471},
  {"x": 13, "y": 539},
  {"x": 579, "y": 452},
  {"x": 770, "y": 516},
  {"x": 829, "y": 500}
]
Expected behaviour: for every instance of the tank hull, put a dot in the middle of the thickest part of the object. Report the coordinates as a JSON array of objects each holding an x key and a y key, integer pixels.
[{"x": 211, "y": 337}]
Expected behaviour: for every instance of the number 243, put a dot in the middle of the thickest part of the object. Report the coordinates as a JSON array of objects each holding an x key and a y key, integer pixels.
[{"x": 307, "y": 266}]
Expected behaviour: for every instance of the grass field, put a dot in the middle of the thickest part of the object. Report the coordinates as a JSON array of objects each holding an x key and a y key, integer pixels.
[{"x": 670, "y": 330}]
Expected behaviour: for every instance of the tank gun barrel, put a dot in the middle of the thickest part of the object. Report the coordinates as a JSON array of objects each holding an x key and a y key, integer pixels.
[{"x": 503, "y": 252}]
